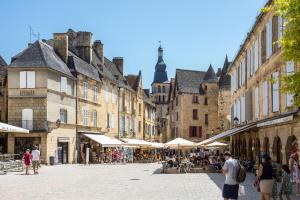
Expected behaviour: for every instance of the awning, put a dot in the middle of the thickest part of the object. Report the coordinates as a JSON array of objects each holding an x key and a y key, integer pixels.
[
  {"x": 136, "y": 142},
  {"x": 179, "y": 143},
  {"x": 227, "y": 133},
  {"x": 13, "y": 129},
  {"x": 104, "y": 140},
  {"x": 216, "y": 144},
  {"x": 157, "y": 145}
]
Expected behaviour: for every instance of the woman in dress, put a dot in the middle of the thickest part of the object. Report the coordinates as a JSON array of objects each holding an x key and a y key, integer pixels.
[
  {"x": 265, "y": 175},
  {"x": 294, "y": 166},
  {"x": 27, "y": 159}
]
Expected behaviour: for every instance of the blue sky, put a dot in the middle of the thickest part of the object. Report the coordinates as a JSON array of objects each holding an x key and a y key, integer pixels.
[{"x": 194, "y": 33}]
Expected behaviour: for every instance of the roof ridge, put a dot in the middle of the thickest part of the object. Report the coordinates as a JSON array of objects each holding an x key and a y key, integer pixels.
[
  {"x": 42, "y": 52},
  {"x": 191, "y": 70}
]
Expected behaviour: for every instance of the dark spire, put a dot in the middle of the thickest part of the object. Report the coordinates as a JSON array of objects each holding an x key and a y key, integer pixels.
[
  {"x": 210, "y": 75},
  {"x": 224, "y": 77},
  {"x": 160, "y": 74}
]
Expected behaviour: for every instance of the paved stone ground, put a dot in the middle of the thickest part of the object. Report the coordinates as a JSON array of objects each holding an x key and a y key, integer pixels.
[{"x": 114, "y": 182}]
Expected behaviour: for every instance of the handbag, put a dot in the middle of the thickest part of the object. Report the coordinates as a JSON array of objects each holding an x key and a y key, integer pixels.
[{"x": 242, "y": 191}]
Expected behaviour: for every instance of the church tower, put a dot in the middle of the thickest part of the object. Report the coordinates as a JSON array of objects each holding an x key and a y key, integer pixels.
[{"x": 160, "y": 91}]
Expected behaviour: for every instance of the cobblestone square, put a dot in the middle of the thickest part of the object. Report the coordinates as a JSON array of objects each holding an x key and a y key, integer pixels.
[{"x": 130, "y": 181}]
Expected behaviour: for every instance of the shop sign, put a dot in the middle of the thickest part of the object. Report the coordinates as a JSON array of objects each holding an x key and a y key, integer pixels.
[
  {"x": 63, "y": 139},
  {"x": 276, "y": 121}
]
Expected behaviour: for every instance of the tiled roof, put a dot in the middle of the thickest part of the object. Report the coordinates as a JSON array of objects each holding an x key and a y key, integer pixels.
[
  {"x": 83, "y": 67},
  {"x": 133, "y": 81},
  {"x": 210, "y": 75},
  {"x": 189, "y": 81},
  {"x": 2, "y": 62},
  {"x": 224, "y": 77},
  {"x": 147, "y": 98},
  {"x": 39, "y": 54}
]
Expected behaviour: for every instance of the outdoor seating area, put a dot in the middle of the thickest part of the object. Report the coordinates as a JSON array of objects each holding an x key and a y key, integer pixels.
[{"x": 9, "y": 163}]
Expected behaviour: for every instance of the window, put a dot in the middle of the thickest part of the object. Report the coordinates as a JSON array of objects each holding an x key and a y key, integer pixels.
[
  {"x": 106, "y": 94},
  {"x": 256, "y": 103},
  {"x": 85, "y": 90},
  {"x": 177, "y": 116},
  {"x": 159, "y": 89},
  {"x": 159, "y": 99},
  {"x": 27, "y": 79},
  {"x": 243, "y": 108},
  {"x": 269, "y": 39},
  {"x": 280, "y": 29},
  {"x": 95, "y": 93},
  {"x": 27, "y": 118},
  {"x": 176, "y": 101},
  {"x": 290, "y": 69},
  {"x": 249, "y": 62},
  {"x": 114, "y": 96},
  {"x": 195, "y": 114},
  {"x": 195, "y": 99},
  {"x": 275, "y": 92},
  {"x": 95, "y": 118},
  {"x": 265, "y": 97},
  {"x": 205, "y": 101},
  {"x": 238, "y": 110},
  {"x": 255, "y": 59},
  {"x": 85, "y": 116},
  {"x": 206, "y": 119},
  {"x": 164, "y": 99},
  {"x": 63, "y": 84},
  {"x": 63, "y": 116},
  {"x": 163, "y": 89},
  {"x": 193, "y": 131},
  {"x": 107, "y": 120},
  {"x": 243, "y": 70},
  {"x": 112, "y": 120}
]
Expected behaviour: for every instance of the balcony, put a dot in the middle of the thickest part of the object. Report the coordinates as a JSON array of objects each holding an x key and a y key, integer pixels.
[
  {"x": 31, "y": 125},
  {"x": 27, "y": 92}
]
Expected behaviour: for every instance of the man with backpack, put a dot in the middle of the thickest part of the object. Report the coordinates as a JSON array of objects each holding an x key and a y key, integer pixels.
[{"x": 231, "y": 170}]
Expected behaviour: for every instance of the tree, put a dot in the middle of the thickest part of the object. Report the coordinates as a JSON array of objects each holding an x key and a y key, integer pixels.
[{"x": 290, "y": 43}]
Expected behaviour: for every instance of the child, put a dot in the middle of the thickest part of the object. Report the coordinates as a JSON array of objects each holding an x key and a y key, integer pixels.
[
  {"x": 27, "y": 159},
  {"x": 286, "y": 184}
]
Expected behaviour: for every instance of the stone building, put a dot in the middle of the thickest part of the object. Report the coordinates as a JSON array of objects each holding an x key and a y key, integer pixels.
[
  {"x": 136, "y": 123},
  {"x": 3, "y": 90},
  {"x": 193, "y": 104},
  {"x": 42, "y": 99},
  {"x": 160, "y": 90},
  {"x": 150, "y": 118},
  {"x": 263, "y": 117},
  {"x": 224, "y": 98}
]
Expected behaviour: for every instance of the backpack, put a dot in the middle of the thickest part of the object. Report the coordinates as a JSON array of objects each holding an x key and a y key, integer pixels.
[{"x": 241, "y": 173}]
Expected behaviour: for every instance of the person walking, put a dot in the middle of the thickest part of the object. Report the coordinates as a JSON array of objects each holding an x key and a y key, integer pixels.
[
  {"x": 35, "y": 159},
  {"x": 286, "y": 184},
  {"x": 265, "y": 176},
  {"x": 230, "y": 169},
  {"x": 294, "y": 166},
  {"x": 27, "y": 158}
]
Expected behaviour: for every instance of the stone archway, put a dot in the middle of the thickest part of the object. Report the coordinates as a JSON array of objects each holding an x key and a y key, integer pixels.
[
  {"x": 243, "y": 148},
  {"x": 266, "y": 146},
  {"x": 233, "y": 147},
  {"x": 277, "y": 146},
  {"x": 288, "y": 147}
]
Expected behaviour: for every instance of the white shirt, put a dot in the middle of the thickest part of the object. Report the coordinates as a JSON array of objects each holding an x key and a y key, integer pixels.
[
  {"x": 231, "y": 166},
  {"x": 35, "y": 155}
]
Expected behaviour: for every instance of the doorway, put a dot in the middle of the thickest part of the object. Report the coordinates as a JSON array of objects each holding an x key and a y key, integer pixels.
[{"x": 62, "y": 152}]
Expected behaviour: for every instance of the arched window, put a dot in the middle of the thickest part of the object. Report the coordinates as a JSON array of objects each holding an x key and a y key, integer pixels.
[{"x": 159, "y": 89}]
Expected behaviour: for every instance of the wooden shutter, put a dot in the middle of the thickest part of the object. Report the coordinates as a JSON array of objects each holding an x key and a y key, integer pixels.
[
  {"x": 275, "y": 33},
  {"x": 63, "y": 84},
  {"x": 256, "y": 104},
  {"x": 275, "y": 92},
  {"x": 23, "y": 79},
  {"x": 200, "y": 131},
  {"x": 190, "y": 131},
  {"x": 248, "y": 106}
]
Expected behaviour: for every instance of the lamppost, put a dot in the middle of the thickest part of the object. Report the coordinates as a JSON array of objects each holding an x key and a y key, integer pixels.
[{"x": 235, "y": 121}]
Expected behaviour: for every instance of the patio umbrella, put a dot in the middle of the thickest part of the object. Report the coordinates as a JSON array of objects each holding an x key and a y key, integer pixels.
[
  {"x": 216, "y": 144},
  {"x": 178, "y": 143}
]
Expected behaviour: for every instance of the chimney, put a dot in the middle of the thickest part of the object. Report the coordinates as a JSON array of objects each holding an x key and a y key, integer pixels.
[
  {"x": 119, "y": 61},
  {"x": 61, "y": 45},
  {"x": 98, "y": 46},
  {"x": 84, "y": 46}
]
